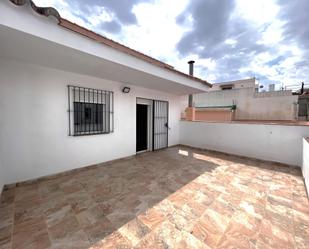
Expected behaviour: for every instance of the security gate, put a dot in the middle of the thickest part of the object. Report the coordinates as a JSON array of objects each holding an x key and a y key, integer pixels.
[
  {"x": 160, "y": 124},
  {"x": 303, "y": 107}
]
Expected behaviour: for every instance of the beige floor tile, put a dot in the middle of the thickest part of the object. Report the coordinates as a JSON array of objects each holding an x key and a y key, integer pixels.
[
  {"x": 31, "y": 234},
  {"x": 173, "y": 198}
]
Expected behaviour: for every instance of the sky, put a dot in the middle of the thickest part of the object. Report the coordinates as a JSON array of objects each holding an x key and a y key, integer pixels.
[{"x": 228, "y": 39}]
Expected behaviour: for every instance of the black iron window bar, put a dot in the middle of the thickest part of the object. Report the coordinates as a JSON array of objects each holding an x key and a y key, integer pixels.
[{"x": 91, "y": 111}]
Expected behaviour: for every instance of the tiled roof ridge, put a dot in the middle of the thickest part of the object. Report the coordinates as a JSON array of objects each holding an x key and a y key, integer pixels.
[
  {"x": 50, "y": 11},
  {"x": 46, "y": 11}
]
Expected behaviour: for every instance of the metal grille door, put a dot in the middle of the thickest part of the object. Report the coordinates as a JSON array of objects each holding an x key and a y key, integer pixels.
[{"x": 160, "y": 124}]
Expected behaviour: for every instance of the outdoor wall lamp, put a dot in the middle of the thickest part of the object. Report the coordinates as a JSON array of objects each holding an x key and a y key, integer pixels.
[{"x": 126, "y": 89}]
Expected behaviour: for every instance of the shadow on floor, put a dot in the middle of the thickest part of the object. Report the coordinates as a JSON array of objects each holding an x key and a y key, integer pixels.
[
  {"x": 160, "y": 199},
  {"x": 82, "y": 208}
]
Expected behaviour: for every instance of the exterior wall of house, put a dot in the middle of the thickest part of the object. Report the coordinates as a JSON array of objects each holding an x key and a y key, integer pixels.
[
  {"x": 305, "y": 166},
  {"x": 277, "y": 143},
  {"x": 280, "y": 105},
  {"x": 1, "y": 178},
  {"x": 34, "y": 122}
]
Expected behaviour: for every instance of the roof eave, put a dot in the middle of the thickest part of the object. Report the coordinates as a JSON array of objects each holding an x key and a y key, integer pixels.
[
  {"x": 49, "y": 11},
  {"x": 108, "y": 42}
]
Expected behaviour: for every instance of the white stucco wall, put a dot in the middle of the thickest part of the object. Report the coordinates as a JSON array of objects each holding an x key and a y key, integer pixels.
[
  {"x": 34, "y": 126},
  {"x": 250, "y": 105},
  {"x": 277, "y": 143},
  {"x": 2, "y": 173},
  {"x": 1, "y": 178},
  {"x": 305, "y": 166}
]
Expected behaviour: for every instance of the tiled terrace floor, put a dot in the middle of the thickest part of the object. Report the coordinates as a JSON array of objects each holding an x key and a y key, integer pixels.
[{"x": 161, "y": 200}]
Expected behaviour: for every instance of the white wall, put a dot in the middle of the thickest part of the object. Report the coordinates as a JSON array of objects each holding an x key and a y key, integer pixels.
[
  {"x": 277, "y": 143},
  {"x": 1, "y": 178},
  {"x": 34, "y": 127},
  {"x": 279, "y": 105},
  {"x": 2, "y": 173},
  {"x": 305, "y": 166}
]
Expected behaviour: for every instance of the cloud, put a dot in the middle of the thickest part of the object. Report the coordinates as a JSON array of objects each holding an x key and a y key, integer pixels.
[
  {"x": 247, "y": 38},
  {"x": 210, "y": 21},
  {"x": 157, "y": 31},
  {"x": 295, "y": 13},
  {"x": 296, "y": 29},
  {"x": 119, "y": 12},
  {"x": 221, "y": 35},
  {"x": 110, "y": 26},
  {"x": 122, "y": 9},
  {"x": 228, "y": 39}
]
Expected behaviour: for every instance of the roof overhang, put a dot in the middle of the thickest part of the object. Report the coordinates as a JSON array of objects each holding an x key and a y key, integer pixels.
[{"x": 28, "y": 37}]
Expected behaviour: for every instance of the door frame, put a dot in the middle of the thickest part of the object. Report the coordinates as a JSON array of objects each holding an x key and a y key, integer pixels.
[
  {"x": 149, "y": 103},
  {"x": 151, "y": 122}
]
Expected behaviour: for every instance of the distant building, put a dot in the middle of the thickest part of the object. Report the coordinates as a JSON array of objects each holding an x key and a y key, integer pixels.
[
  {"x": 237, "y": 84},
  {"x": 242, "y": 100}
]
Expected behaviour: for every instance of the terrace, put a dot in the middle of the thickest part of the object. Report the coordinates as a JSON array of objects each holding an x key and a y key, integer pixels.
[
  {"x": 182, "y": 194},
  {"x": 173, "y": 198}
]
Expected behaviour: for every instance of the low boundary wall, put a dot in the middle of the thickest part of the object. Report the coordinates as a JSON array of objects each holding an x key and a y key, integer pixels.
[{"x": 278, "y": 143}]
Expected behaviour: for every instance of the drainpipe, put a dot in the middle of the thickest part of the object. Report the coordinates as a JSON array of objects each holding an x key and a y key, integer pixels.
[{"x": 191, "y": 67}]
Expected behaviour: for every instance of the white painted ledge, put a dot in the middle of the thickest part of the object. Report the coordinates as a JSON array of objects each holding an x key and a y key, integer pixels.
[{"x": 278, "y": 143}]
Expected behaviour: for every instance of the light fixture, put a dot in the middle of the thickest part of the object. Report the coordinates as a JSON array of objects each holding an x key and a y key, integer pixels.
[{"x": 126, "y": 89}]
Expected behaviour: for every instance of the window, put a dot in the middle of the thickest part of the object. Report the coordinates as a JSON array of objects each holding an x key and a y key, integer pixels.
[
  {"x": 90, "y": 111},
  {"x": 227, "y": 87}
]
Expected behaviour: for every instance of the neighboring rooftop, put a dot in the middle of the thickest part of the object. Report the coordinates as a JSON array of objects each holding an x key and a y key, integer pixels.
[
  {"x": 235, "y": 84},
  {"x": 244, "y": 81}
]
